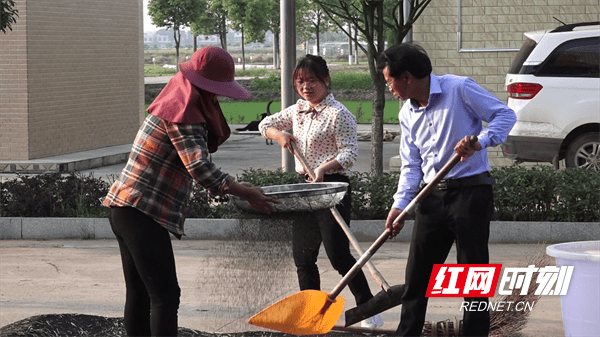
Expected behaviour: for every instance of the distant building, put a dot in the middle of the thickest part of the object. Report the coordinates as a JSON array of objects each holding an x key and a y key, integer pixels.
[{"x": 163, "y": 39}]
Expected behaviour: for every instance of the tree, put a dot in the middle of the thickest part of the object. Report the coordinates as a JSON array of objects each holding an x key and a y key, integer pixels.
[
  {"x": 211, "y": 20},
  {"x": 316, "y": 20},
  {"x": 8, "y": 15},
  {"x": 247, "y": 16},
  {"x": 175, "y": 14},
  {"x": 373, "y": 19},
  {"x": 274, "y": 25}
]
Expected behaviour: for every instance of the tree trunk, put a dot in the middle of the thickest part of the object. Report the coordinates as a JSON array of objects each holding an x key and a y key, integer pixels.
[
  {"x": 350, "y": 61},
  {"x": 177, "y": 37},
  {"x": 355, "y": 46},
  {"x": 195, "y": 42},
  {"x": 224, "y": 40},
  {"x": 377, "y": 128},
  {"x": 318, "y": 41},
  {"x": 376, "y": 47},
  {"x": 223, "y": 35},
  {"x": 243, "y": 54},
  {"x": 276, "y": 53}
]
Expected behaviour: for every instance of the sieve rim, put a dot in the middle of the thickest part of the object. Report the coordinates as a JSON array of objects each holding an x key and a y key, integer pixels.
[
  {"x": 300, "y": 197},
  {"x": 291, "y": 191}
]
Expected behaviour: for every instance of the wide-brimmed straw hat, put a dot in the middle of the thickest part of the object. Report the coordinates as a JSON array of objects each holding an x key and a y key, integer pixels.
[{"x": 212, "y": 69}]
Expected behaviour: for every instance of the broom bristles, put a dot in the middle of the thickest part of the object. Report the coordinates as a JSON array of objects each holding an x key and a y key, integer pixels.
[{"x": 510, "y": 322}]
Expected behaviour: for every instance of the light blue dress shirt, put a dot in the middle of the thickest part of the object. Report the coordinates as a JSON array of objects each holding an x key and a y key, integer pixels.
[{"x": 457, "y": 107}]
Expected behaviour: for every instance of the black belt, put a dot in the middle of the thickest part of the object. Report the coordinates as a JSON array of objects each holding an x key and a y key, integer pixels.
[{"x": 479, "y": 179}]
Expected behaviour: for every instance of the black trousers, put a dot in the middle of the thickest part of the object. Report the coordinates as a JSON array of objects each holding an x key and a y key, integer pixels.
[
  {"x": 152, "y": 289},
  {"x": 460, "y": 215},
  {"x": 312, "y": 228}
]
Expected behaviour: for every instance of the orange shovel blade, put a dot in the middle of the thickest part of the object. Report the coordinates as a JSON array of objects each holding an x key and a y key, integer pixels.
[{"x": 300, "y": 314}]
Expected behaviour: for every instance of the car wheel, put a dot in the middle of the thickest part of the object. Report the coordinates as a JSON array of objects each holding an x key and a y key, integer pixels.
[{"x": 584, "y": 152}]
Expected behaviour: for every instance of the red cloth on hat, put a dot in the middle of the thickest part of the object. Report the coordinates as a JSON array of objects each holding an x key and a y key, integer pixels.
[{"x": 182, "y": 102}]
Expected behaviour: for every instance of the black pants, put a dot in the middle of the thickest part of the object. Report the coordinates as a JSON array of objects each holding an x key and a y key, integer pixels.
[
  {"x": 310, "y": 230},
  {"x": 153, "y": 292},
  {"x": 460, "y": 215}
]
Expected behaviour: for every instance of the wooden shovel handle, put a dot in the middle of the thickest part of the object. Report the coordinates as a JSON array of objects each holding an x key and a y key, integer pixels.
[
  {"x": 376, "y": 274},
  {"x": 302, "y": 160},
  {"x": 385, "y": 235}
]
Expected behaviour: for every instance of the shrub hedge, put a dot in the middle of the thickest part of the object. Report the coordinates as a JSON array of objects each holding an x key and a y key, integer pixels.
[
  {"x": 340, "y": 80},
  {"x": 53, "y": 195},
  {"x": 542, "y": 193},
  {"x": 538, "y": 193}
]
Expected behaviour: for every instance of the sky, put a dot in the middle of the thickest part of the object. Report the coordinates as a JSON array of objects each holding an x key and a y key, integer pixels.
[{"x": 148, "y": 26}]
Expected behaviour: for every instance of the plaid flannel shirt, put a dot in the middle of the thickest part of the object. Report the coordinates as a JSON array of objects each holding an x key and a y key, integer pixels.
[{"x": 164, "y": 160}]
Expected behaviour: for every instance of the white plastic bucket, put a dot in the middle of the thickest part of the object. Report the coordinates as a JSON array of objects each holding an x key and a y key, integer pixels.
[{"x": 581, "y": 305}]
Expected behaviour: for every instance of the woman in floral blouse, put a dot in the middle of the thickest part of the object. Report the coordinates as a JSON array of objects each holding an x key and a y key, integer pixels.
[{"x": 325, "y": 134}]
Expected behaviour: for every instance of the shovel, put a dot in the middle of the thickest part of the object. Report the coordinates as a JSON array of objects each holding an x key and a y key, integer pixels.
[{"x": 315, "y": 312}]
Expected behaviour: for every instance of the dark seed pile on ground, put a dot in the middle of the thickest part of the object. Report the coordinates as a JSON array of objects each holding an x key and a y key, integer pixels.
[{"x": 76, "y": 325}]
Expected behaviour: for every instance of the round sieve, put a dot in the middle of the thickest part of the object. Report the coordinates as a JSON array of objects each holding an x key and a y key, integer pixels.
[{"x": 300, "y": 197}]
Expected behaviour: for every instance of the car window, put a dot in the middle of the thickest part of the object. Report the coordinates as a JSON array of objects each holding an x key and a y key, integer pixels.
[
  {"x": 575, "y": 58},
  {"x": 516, "y": 67}
]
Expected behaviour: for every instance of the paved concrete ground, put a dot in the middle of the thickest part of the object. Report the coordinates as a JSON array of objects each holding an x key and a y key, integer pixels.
[{"x": 223, "y": 283}]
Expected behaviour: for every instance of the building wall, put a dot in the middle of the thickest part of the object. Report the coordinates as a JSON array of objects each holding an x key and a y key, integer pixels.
[
  {"x": 490, "y": 24},
  {"x": 14, "y": 138},
  {"x": 83, "y": 73}
]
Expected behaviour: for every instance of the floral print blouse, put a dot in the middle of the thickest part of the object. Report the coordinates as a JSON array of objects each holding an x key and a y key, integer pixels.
[{"x": 323, "y": 133}]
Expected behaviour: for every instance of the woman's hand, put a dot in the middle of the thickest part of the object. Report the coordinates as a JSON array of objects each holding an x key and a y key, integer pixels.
[
  {"x": 283, "y": 138},
  {"x": 319, "y": 175},
  {"x": 258, "y": 200},
  {"x": 330, "y": 166},
  {"x": 255, "y": 196}
]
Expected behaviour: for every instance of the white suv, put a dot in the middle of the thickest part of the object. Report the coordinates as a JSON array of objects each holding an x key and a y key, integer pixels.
[{"x": 553, "y": 85}]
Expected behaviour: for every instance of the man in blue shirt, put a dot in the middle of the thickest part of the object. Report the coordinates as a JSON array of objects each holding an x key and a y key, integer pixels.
[{"x": 439, "y": 112}]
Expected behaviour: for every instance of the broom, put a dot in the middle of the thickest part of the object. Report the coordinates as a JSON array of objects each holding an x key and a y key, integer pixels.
[{"x": 502, "y": 323}]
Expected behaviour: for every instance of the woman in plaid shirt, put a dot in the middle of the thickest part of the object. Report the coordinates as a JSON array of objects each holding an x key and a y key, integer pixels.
[
  {"x": 325, "y": 133},
  {"x": 171, "y": 151}
]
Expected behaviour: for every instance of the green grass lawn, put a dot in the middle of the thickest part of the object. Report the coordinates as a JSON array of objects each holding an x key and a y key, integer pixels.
[
  {"x": 151, "y": 71},
  {"x": 245, "y": 112}
]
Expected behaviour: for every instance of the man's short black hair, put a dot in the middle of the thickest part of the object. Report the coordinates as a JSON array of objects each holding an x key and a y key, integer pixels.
[{"x": 405, "y": 57}]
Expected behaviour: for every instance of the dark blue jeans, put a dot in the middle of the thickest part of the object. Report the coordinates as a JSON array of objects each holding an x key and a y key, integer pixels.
[
  {"x": 312, "y": 228},
  {"x": 153, "y": 292}
]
